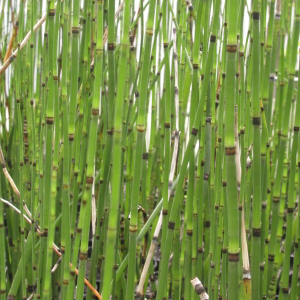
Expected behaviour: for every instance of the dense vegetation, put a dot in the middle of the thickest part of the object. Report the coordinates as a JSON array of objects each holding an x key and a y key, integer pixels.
[{"x": 146, "y": 143}]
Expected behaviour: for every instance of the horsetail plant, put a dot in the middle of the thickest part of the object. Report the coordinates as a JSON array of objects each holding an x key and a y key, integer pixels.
[{"x": 149, "y": 149}]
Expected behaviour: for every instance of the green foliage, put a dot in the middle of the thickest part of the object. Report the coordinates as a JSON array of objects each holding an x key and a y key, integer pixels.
[{"x": 146, "y": 143}]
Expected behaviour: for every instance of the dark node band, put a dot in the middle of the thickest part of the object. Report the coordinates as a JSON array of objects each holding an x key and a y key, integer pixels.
[
  {"x": 89, "y": 179},
  {"x": 171, "y": 225},
  {"x": 272, "y": 78},
  {"x": 256, "y": 232},
  {"x": 51, "y": 12},
  {"x": 167, "y": 125},
  {"x": 233, "y": 257},
  {"x": 145, "y": 155},
  {"x": 230, "y": 150},
  {"x": 271, "y": 257},
  {"x": 189, "y": 232},
  {"x": 290, "y": 210},
  {"x": 207, "y": 223},
  {"x": 111, "y": 46},
  {"x": 71, "y": 137},
  {"x": 255, "y": 15},
  {"x": 138, "y": 296},
  {"x": 285, "y": 290},
  {"x": 165, "y": 212},
  {"x": 199, "y": 289},
  {"x": 213, "y": 38},
  {"x": 231, "y": 48},
  {"x": 95, "y": 111},
  {"x": 195, "y": 66},
  {"x": 194, "y": 131},
  {"x": 256, "y": 120},
  {"x": 82, "y": 256},
  {"x": 75, "y": 29}
]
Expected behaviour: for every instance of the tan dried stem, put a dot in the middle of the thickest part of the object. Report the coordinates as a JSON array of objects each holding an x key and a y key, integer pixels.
[
  {"x": 23, "y": 43},
  {"x": 14, "y": 187},
  {"x": 54, "y": 247},
  {"x": 140, "y": 288},
  {"x": 199, "y": 288},
  {"x": 105, "y": 35},
  {"x": 11, "y": 42}
]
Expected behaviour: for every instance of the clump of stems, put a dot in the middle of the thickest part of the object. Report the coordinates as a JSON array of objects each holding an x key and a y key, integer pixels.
[{"x": 149, "y": 149}]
